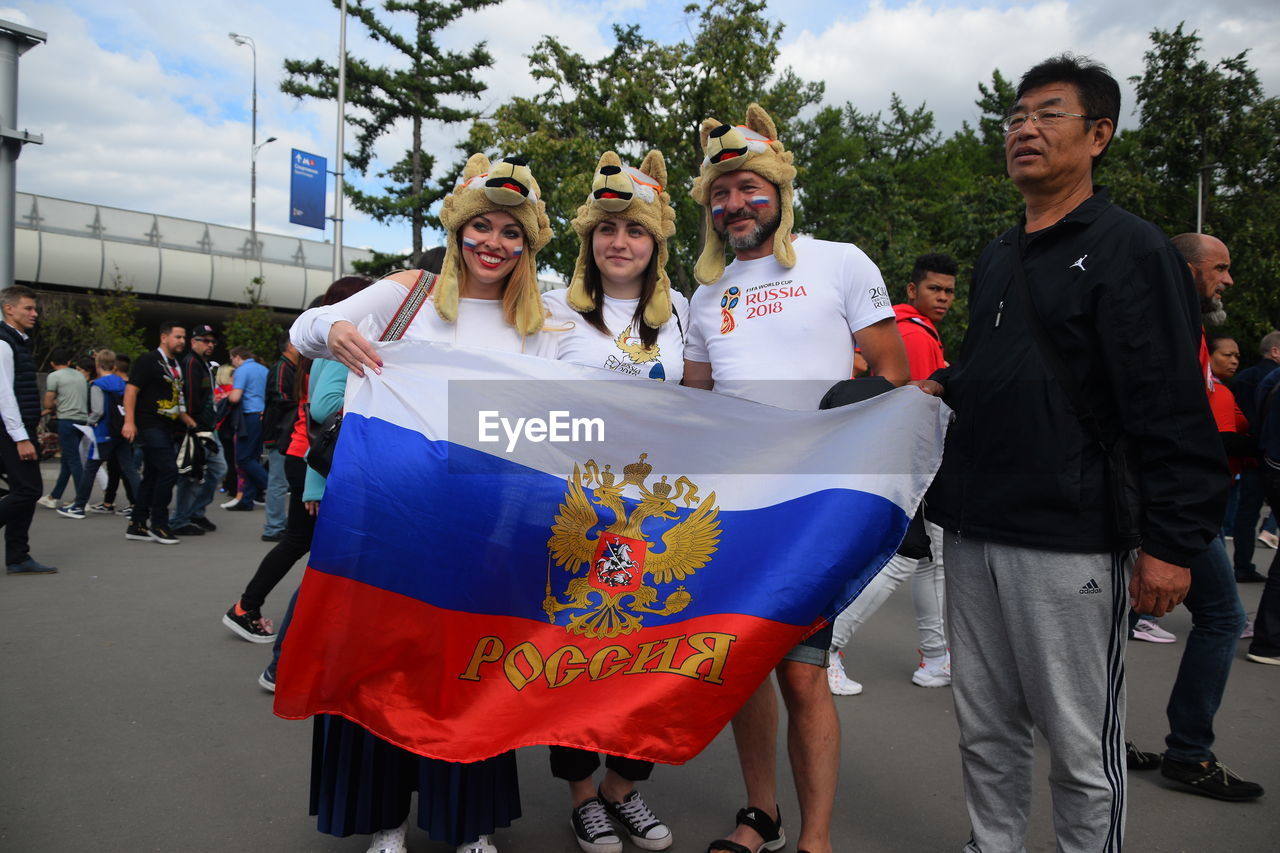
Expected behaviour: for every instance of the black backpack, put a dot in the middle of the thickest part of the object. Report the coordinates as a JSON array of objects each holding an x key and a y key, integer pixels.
[{"x": 113, "y": 402}]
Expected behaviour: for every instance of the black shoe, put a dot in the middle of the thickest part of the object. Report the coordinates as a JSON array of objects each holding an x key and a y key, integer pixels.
[
  {"x": 204, "y": 524},
  {"x": 249, "y": 625},
  {"x": 1136, "y": 759},
  {"x": 189, "y": 530},
  {"x": 639, "y": 821},
  {"x": 29, "y": 567},
  {"x": 138, "y": 533},
  {"x": 273, "y": 537},
  {"x": 1251, "y": 576},
  {"x": 240, "y": 507},
  {"x": 1211, "y": 780},
  {"x": 162, "y": 535},
  {"x": 591, "y": 825}
]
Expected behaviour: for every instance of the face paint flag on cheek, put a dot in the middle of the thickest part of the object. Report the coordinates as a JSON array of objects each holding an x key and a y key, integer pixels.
[
  {"x": 468, "y": 244},
  {"x": 717, "y": 210},
  {"x": 759, "y": 201},
  {"x": 517, "y": 251}
]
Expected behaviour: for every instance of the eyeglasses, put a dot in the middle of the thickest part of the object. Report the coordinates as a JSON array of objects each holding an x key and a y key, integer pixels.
[{"x": 1041, "y": 118}]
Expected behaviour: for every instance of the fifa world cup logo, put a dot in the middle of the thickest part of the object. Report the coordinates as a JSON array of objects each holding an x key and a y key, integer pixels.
[{"x": 727, "y": 303}]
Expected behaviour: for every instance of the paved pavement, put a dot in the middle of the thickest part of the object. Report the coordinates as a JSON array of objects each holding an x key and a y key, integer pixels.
[{"x": 131, "y": 720}]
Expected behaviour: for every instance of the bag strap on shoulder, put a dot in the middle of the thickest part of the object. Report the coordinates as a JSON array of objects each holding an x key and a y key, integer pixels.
[{"x": 413, "y": 302}]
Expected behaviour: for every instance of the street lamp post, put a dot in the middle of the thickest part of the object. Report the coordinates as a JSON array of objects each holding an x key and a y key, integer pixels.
[{"x": 253, "y": 159}]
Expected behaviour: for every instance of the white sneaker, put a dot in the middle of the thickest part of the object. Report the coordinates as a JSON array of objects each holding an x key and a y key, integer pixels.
[
  {"x": 1150, "y": 631},
  {"x": 1266, "y": 537},
  {"x": 49, "y": 503},
  {"x": 840, "y": 684},
  {"x": 483, "y": 844},
  {"x": 933, "y": 672},
  {"x": 230, "y": 503},
  {"x": 390, "y": 840}
]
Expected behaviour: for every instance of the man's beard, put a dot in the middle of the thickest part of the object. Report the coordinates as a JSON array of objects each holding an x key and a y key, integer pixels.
[
  {"x": 1212, "y": 312},
  {"x": 753, "y": 238}
]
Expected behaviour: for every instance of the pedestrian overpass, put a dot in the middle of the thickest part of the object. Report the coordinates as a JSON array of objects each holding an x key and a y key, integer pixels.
[{"x": 75, "y": 246}]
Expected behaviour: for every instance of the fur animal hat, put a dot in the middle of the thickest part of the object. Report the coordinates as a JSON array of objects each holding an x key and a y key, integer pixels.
[
  {"x": 509, "y": 186},
  {"x": 637, "y": 195},
  {"x": 753, "y": 147}
]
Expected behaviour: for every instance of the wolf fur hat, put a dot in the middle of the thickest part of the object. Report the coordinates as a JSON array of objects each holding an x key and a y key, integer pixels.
[
  {"x": 640, "y": 196},
  {"x": 753, "y": 147},
  {"x": 509, "y": 186}
]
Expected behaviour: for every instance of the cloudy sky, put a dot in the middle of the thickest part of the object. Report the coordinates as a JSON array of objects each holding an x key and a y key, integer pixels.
[{"x": 145, "y": 104}]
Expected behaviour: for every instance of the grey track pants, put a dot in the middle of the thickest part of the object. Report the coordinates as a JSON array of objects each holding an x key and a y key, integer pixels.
[{"x": 1037, "y": 642}]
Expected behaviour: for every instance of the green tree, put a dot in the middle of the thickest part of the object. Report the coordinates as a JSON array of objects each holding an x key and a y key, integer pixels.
[
  {"x": 252, "y": 326},
  {"x": 379, "y": 98},
  {"x": 84, "y": 324},
  {"x": 1208, "y": 132},
  {"x": 642, "y": 95}
]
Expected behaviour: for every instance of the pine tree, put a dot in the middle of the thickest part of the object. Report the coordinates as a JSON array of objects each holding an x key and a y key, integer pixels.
[{"x": 380, "y": 97}]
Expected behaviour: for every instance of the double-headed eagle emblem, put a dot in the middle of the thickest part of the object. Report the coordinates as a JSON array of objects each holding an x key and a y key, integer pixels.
[{"x": 617, "y": 558}]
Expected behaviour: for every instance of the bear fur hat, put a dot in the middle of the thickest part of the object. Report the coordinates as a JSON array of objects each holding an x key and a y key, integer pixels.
[
  {"x": 753, "y": 147},
  {"x": 639, "y": 196},
  {"x": 509, "y": 186}
]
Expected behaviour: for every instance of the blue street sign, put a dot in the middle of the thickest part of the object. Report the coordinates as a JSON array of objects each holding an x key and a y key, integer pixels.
[{"x": 307, "y": 190}]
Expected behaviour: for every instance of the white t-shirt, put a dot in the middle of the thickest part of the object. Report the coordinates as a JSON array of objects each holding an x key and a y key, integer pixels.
[
  {"x": 762, "y": 323},
  {"x": 480, "y": 323},
  {"x": 581, "y": 343}
]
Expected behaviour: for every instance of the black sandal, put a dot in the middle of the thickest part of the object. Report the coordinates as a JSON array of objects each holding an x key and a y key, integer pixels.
[{"x": 765, "y": 827}]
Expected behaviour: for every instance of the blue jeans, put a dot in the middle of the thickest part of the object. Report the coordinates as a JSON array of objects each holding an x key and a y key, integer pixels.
[
  {"x": 277, "y": 493},
  {"x": 1244, "y": 527},
  {"x": 270, "y": 671},
  {"x": 119, "y": 450},
  {"x": 192, "y": 499},
  {"x": 248, "y": 453},
  {"x": 1266, "y": 627},
  {"x": 70, "y": 470},
  {"x": 1217, "y": 618}
]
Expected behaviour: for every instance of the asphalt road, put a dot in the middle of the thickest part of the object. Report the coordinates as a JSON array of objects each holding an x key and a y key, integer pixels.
[{"x": 132, "y": 721}]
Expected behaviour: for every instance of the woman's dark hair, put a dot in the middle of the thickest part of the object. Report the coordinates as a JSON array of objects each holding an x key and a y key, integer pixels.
[
  {"x": 348, "y": 285},
  {"x": 595, "y": 289},
  {"x": 1217, "y": 340}
]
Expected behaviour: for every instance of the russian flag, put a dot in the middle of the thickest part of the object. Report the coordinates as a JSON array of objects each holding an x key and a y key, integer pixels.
[{"x": 509, "y": 553}]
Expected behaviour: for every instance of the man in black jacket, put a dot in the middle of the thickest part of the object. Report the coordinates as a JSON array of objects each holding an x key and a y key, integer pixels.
[
  {"x": 1041, "y": 516},
  {"x": 192, "y": 499},
  {"x": 20, "y": 408},
  {"x": 1249, "y": 505}
]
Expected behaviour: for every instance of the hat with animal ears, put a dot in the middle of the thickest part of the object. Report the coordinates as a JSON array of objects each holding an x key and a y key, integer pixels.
[
  {"x": 509, "y": 186},
  {"x": 753, "y": 147},
  {"x": 637, "y": 195}
]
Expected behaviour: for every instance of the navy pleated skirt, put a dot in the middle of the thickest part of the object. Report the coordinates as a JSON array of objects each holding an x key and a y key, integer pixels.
[{"x": 361, "y": 784}]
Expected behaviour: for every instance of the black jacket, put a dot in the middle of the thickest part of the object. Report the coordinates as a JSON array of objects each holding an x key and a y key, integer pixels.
[
  {"x": 1245, "y": 387},
  {"x": 1118, "y": 301},
  {"x": 25, "y": 386}
]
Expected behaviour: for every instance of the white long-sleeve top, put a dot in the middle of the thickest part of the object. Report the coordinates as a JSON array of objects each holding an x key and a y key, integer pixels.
[
  {"x": 8, "y": 400},
  {"x": 480, "y": 323}
]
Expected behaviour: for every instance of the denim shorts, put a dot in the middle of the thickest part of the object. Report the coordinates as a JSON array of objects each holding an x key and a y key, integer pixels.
[{"x": 815, "y": 649}]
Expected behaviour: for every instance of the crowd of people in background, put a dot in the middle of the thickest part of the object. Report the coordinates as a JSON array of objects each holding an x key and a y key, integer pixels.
[{"x": 173, "y": 427}]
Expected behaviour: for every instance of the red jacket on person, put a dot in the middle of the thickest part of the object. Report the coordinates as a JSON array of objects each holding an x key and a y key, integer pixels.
[{"x": 924, "y": 344}]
